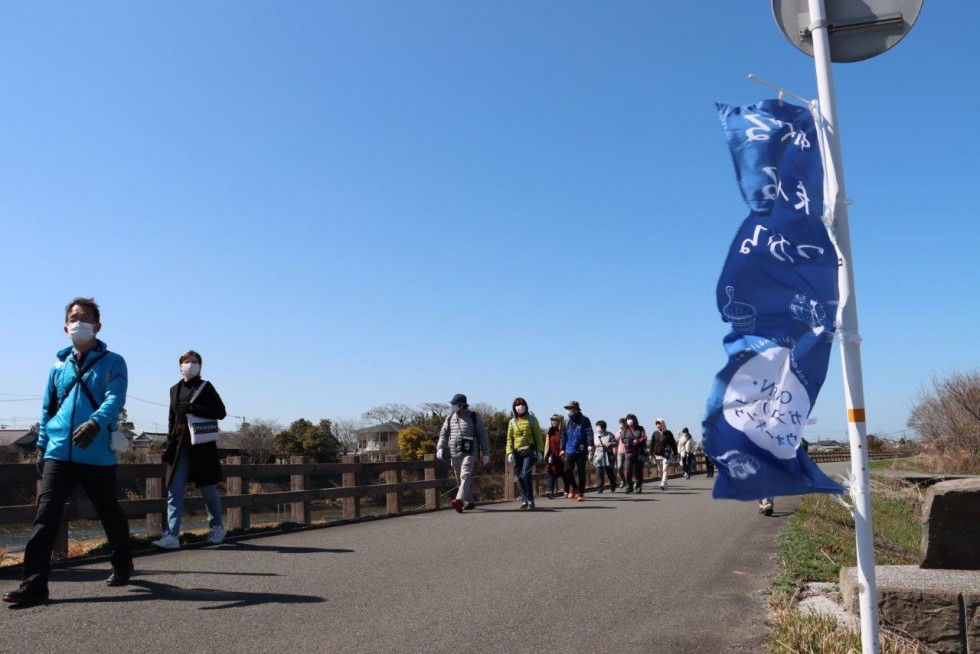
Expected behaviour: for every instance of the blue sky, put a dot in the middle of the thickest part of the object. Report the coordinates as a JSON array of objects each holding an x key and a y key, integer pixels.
[{"x": 344, "y": 204}]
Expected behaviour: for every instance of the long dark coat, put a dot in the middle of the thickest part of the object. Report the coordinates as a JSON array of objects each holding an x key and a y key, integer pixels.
[{"x": 205, "y": 465}]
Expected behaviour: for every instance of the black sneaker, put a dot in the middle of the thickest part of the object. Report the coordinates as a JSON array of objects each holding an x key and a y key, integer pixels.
[
  {"x": 27, "y": 594},
  {"x": 469, "y": 506},
  {"x": 120, "y": 576}
]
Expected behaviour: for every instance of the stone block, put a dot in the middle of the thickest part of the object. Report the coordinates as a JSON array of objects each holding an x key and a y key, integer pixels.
[
  {"x": 951, "y": 526},
  {"x": 930, "y": 617},
  {"x": 940, "y": 608},
  {"x": 971, "y": 616}
]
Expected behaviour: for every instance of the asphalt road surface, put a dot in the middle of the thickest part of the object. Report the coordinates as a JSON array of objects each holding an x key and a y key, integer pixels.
[{"x": 659, "y": 572}]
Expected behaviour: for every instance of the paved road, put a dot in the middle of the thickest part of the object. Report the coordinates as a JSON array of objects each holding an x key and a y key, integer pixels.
[{"x": 657, "y": 572}]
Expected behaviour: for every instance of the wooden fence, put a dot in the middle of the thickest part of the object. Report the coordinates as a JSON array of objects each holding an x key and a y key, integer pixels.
[{"x": 238, "y": 502}]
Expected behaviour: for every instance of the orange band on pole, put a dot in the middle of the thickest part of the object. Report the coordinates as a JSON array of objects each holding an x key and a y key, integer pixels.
[{"x": 855, "y": 415}]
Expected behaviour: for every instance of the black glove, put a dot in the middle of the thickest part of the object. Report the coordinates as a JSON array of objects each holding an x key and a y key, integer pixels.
[
  {"x": 85, "y": 434},
  {"x": 183, "y": 408},
  {"x": 39, "y": 464}
]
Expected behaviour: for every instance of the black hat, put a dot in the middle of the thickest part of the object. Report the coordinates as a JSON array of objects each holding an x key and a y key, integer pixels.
[
  {"x": 573, "y": 404},
  {"x": 458, "y": 398}
]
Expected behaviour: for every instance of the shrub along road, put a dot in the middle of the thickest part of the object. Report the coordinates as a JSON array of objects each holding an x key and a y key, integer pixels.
[{"x": 657, "y": 572}]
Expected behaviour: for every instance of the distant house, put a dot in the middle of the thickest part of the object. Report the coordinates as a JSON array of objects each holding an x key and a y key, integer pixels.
[
  {"x": 379, "y": 438},
  {"x": 228, "y": 441},
  {"x": 17, "y": 441},
  {"x": 146, "y": 438}
]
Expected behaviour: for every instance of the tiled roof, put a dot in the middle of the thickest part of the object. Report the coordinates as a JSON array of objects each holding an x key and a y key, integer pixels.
[{"x": 12, "y": 436}]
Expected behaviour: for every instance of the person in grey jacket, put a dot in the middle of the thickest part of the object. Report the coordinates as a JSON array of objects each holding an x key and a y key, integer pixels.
[{"x": 465, "y": 435}]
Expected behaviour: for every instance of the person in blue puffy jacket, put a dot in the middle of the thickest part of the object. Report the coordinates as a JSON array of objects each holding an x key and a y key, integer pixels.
[
  {"x": 576, "y": 445},
  {"x": 86, "y": 390}
]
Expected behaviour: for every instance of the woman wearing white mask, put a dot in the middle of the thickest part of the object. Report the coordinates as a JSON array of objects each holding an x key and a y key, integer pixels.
[
  {"x": 525, "y": 445},
  {"x": 186, "y": 462}
]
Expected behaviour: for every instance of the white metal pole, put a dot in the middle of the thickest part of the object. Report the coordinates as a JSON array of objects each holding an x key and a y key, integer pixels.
[{"x": 850, "y": 342}]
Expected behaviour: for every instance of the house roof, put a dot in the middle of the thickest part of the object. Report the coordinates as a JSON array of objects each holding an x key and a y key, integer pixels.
[
  {"x": 154, "y": 436},
  {"x": 385, "y": 428},
  {"x": 229, "y": 440},
  {"x": 16, "y": 437}
]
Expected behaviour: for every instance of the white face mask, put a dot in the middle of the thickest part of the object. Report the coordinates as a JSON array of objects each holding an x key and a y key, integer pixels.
[
  {"x": 570, "y": 413},
  {"x": 520, "y": 409},
  {"x": 454, "y": 408},
  {"x": 631, "y": 423},
  {"x": 190, "y": 370},
  {"x": 81, "y": 332}
]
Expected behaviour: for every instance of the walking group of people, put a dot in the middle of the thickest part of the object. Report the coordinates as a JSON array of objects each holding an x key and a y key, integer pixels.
[
  {"x": 85, "y": 392},
  {"x": 565, "y": 448}
]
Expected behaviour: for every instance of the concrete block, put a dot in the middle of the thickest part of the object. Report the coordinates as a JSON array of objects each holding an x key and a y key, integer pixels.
[
  {"x": 941, "y": 608},
  {"x": 951, "y": 526},
  {"x": 930, "y": 617},
  {"x": 971, "y": 616}
]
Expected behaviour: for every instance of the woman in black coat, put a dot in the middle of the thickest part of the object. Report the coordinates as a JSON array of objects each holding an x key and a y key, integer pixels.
[{"x": 186, "y": 462}]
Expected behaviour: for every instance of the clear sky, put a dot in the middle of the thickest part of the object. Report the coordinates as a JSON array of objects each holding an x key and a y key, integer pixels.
[{"x": 344, "y": 204}]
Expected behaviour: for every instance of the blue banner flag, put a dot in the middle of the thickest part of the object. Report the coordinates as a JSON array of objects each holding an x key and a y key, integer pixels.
[{"x": 778, "y": 291}]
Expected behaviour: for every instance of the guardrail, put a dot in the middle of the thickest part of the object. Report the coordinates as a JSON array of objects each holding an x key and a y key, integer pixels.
[{"x": 238, "y": 502}]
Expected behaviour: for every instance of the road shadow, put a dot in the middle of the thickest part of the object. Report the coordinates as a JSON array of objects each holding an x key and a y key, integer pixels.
[
  {"x": 83, "y": 575},
  {"x": 279, "y": 549},
  {"x": 142, "y": 590}
]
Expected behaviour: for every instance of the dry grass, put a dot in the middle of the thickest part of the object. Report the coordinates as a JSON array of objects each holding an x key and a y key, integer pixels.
[
  {"x": 793, "y": 633},
  {"x": 957, "y": 462},
  {"x": 816, "y": 543}
]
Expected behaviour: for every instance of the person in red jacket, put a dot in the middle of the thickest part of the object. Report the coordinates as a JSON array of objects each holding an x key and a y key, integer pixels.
[{"x": 553, "y": 463}]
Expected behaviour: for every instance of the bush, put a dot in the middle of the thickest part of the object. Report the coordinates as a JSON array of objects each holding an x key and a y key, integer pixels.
[
  {"x": 414, "y": 443},
  {"x": 947, "y": 417}
]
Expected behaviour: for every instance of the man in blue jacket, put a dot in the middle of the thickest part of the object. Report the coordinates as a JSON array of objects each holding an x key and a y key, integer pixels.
[
  {"x": 85, "y": 392},
  {"x": 576, "y": 441}
]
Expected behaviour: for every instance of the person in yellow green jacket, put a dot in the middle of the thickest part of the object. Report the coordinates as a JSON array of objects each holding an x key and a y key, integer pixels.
[{"x": 525, "y": 447}]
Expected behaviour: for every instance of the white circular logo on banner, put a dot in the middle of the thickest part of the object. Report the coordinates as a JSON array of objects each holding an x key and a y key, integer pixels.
[{"x": 765, "y": 401}]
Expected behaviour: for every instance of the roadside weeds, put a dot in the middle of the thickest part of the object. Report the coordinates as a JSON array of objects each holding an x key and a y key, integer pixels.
[{"x": 813, "y": 547}]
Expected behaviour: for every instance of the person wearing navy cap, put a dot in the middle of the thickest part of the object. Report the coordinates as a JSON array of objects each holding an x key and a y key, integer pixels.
[{"x": 465, "y": 435}]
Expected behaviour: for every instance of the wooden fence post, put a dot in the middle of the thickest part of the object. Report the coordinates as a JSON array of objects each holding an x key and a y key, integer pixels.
[
  {"x": 393, "y": 477},
  {"x": 299, "y": 511},
  {"x": 432, "y": 473},
  {"x": 510, "y": 481},
  {"x": 238, "y": 517},
  {"x": 352, "y": 505},
  {"x": 154, "y": 491}
]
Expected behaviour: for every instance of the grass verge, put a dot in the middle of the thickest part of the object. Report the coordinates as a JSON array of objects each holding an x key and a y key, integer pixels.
[{"x": 816, "y": 543}]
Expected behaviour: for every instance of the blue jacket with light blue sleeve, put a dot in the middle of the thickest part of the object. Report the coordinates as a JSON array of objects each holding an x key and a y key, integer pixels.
[
  {"x": 67, "y": 404},
  {"x": 577, "y": 434}
]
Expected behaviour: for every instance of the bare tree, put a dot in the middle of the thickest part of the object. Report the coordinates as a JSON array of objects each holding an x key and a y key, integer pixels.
[
  {"x": 947, "y": 417},
  {"x": 345, "y": 429},
  {"x": 256, "y": 438},
  {"x": 391, "y": 412}
]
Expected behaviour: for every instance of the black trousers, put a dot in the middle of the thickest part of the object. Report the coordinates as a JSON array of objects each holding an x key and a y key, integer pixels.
[
  {"x": 575, "y": 460},
  {"x": 57, "y": 483},
  {"x": 604, "y": 472}
]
